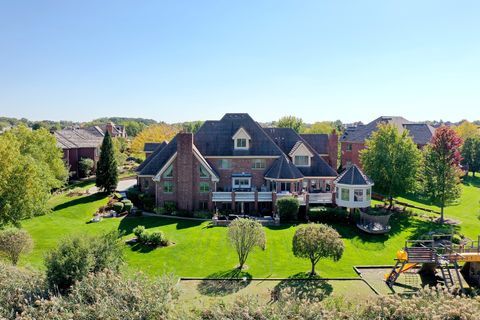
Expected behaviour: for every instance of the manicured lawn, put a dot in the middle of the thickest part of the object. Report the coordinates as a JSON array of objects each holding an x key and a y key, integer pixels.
[{"x": 203, "y": 251}]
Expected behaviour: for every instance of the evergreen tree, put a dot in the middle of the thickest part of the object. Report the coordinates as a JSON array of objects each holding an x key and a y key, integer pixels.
[{"x": 107, "y": 174}]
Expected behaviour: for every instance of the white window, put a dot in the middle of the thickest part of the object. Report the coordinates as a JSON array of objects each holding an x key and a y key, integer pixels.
[
  {"x": 258, "y": 164},
  {"x": 241, "y": 183},
  {"x": 369, "y": 195},
  {"x": 358, "y": 195},
  {"x": 241, "y": 144},
  {"x": 345, "y": 196},
  {"x": 349, "y": 147},
  {"x": 225, "y": 164},
  {"x": 203, "y": 172},
  {"x": 302, "y": 161},
  {"x": 169, "y": 172}
]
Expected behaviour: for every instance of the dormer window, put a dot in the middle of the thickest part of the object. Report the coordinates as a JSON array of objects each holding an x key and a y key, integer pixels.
[
  {"x": 241, "y": 140},
  {"x": 302, "y": 161},
  {"x": 301, "y": 155}
]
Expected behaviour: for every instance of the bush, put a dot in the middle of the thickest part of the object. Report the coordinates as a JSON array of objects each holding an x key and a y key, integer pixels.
[
  {"x": 85, "y": 167},
  {"x": 288, "y": 208},
  {"x": 327, "y": 214},
  {"x": 203, "y": 214},
  {"x": 14, "y": 243},
  {"x": 155, "y": 238},
  {"x": 169, "y": 207},
  {"x": 133, "y": 194},
  {"x": 118, "y": 207},
  {"x": 138, "y": 230},
  {"x": 128, "y": 207},
  {"x": 146, "y": 202},
  {"x": 75, "y": 257}
]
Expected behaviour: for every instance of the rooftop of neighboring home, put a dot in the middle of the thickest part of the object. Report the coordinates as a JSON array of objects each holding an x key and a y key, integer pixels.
[
  {"x": 152, "y": 146},
  {"x": 216, "y": 139},
  {"x": 421, "y": 132},
  {"x": 79, "y": 138}
]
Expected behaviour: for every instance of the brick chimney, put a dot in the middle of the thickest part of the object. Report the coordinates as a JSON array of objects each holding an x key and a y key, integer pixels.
[
  {"x": 109, "y": 128},
  {"x": 184, "y": 171},
  {"x": 333, "y": 149}
]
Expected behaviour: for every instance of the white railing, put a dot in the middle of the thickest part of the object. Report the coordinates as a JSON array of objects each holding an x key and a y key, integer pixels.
[
  {"x": 245, "y": 196},
  {"x": 265, "y": 196},
  {"x": 222, "y": 197},
  {"x": 320, "y": 198}
]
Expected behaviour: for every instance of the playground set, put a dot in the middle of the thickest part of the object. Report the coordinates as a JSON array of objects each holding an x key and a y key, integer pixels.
[{"x": 439, "y": 253}]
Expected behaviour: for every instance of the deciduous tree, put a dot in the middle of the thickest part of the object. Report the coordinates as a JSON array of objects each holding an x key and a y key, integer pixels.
[
  {"x": 290, "y": 122},
  {"x": 154, "y": 133},
  {"x": 467, "y": 129},
  {"x": 442, "y": 168},
  {"x": 107, "y": 171},
  {"x": 320, "y": 127},
  {"x": 317, "y": 241},
  {"x": 244, "y": 235},
  {"x": 471, "y": 154},
  {"x": 392, "y": 161},
  {"x": 14, "y": 243}
]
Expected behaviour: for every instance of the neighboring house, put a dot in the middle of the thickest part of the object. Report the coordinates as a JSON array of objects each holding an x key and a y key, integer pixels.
[
  {"x": 236, "y": 165},
  {"x": 150, "y": 147},
  {"x": 114, "y": 129},
  {"x": 353, "y": 140},
  {"x": 78, "y": 143}
]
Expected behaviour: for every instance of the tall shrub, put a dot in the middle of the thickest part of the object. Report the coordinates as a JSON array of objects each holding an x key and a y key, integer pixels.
[
  {"x": 288, "y": 208},
  {"x": 14, "y": 243}
]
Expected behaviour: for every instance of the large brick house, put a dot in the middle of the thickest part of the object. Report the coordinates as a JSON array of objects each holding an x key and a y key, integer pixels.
[
  {"x": 78, "y": 143},
  {"x": 234, "y": 164},
  {"x": 353, "y": 140}
]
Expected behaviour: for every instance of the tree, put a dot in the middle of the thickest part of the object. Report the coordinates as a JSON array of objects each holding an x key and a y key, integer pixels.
[
  {"x": 442, "y": 168},
  {"x": 317, "y": 241},
  {"x": 471, "y": 154},
  {"x": 120, "y": 147},
  {"x": 133, "y": 128},
  {"x": 154, "y": 133},
  {"x": 191, "y": 126},
  {"x": 107, "y": 173},
  {"x": 290, "y": 122},
  {"x": 320, "y": 127},
  {"x": 14, "y": 243},
  {"x": 76, "y": 257},
  {"x": 392, "y": 161},
  {"x": 85, "y": 165},
  {"x": 467, "y": 130},
  {"x": 31, "y": 166},
  {"x": 244, "y": 235}
]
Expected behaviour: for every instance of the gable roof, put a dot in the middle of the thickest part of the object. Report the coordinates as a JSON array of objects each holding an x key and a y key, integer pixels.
[
  {"x": 353, "y": 176},
  {"x": 287, "y": 139},
  {"x": 78, "y": 138},
  {"x": 152, "y": 146},
  {"x": 152, "y": 165},
  {"x": 214, "y": 138},
  {"x": 150, "y": 157},
  {"x": 420, "y": 132},
  {"x": 318, "y": 141},
  {"x": 283, "y": 168}
]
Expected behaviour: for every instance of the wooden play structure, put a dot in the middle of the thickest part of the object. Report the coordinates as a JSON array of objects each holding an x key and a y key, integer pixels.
[{"x": 438, "y": 253}]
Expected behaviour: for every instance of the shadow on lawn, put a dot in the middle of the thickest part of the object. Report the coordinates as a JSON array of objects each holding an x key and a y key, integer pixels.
[
  {"x": 422, "y": 227},
  {"x": 224, "y": 283},
  {"x": 79, "y": 201},
  {"x": 472, "y": 181},
  {"x": 301, "y": 286},
  {"x": 127, "y": 224}
]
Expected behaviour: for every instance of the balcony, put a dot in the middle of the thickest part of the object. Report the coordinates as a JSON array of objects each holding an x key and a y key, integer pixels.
[
  {"x": 320, "y": 198},
  {"x": 249, "y": 196}
]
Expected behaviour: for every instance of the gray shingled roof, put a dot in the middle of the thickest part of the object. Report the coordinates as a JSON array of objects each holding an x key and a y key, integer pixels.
[
  {"x": 150, "y": 157},
  {"x": 420, "y": 132},
  {"x": 152, "y": 165},
  {"x": 78, "y": 138},
  {"x": 214, "y": 138},
  {"x": 318, "y": 141},
  {"x": 354, "y": 176},
  {"x": 282, "y": 168},
  {"x": 152, "y": 146},
  {"x": 287, "y": 138}
]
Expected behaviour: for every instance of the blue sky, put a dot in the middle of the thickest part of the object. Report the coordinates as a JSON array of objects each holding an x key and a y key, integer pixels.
[{"x": 185, "y": 60}]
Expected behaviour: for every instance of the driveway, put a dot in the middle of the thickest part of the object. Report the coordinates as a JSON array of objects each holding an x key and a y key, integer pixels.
[{"x": 124, "y": 185}]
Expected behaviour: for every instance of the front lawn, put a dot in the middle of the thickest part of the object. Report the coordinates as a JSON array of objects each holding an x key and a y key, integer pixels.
[{"x": 203, "y": 251}]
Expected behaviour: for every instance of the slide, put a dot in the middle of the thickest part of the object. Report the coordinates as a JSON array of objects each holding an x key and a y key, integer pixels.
[{"x": 406, "y": 267}]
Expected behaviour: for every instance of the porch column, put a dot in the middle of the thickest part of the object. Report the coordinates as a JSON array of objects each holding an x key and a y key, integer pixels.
[
  {"x": 274, "y": 202},
  {"x": 210, "y": 202},
  {"x": 256, "y": 201},
  {"x": 233, "y": 201},
  {"x": 307, "y": 203},
  {"x": 292, "y": 187}
]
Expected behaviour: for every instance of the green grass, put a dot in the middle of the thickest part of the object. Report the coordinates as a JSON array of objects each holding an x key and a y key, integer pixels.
[{"x": 203, "y": 251}]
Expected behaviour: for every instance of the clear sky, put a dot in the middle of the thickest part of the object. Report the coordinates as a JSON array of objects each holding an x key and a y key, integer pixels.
[{"x": 186, "y": 60}]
